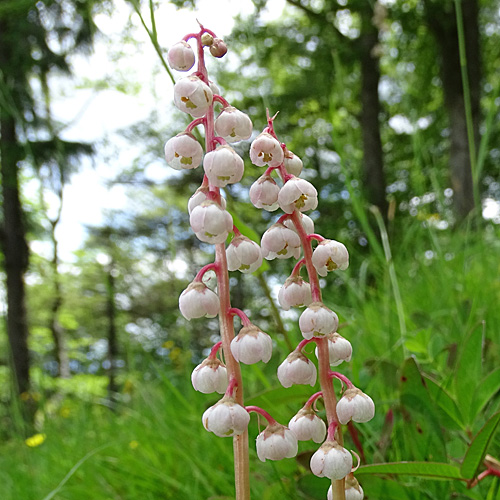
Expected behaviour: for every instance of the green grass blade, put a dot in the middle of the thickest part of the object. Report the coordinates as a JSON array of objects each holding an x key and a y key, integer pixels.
[
  {"x": 430, "y": 470},
  {"x": 485, "y": 390}
]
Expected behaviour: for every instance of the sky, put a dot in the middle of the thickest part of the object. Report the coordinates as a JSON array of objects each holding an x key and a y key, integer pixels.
[{"x": 94, "y": 110}]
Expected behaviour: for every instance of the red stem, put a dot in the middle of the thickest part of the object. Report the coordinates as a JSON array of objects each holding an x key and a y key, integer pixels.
[
  {"x": 313, "y": 398},
  {"x": 234, "y": 311},
  {"x": 332, "y": 427},
  {"x": 205, "y": 269},
  {"x": 195, "y": 123},
  {"x": 341, "y": 377},
  {"x": 316, "y": 237},
  {"x": 219, "y": 98},
  {"x": 260, "y": 411},
  {"x": 303, "y": 343},
  {"x": 296, "y": 268},
  {"x": 214, "y": 350}
]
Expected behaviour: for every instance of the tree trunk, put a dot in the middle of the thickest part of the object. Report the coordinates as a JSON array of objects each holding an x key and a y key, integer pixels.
[
  {"x": 442, "y": 21},
  {"x": 112, "y": 340}
]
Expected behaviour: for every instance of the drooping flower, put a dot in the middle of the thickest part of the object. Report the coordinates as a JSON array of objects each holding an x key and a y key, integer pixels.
[
  {"x": 297, "y": 369},
  {"x": 307, "y": 425},
  {"x": 252, "y": 345},
  {"x": 223, "y": 166},
  {"x": 181, "y": 56},
  {"x": 197, "y": 300},
  {"x": 317, "y": 321},
  {"x": 243, "y": 255},
  {"x": 183, "y": 152},
  {"x": 264, "y": 193},
  {"x": 355, "y": 405},
  {"x": 339, "y": 349},
  {"x": 210, "y": 376},
  {"x": 295, "y": 292},
  {"x": 233, "y": 125},
  {"x": 280, "y": 242},
  {"x": 226, "y": 418},
  {"x": 297, "y": 194},
  {"x": 353, "y": 490},
  {"x": 293, "y": 163},
  {"x": 330, "y": 255},
  {"x": 276, "y": 442},
  {"x": 210, "y": 222},
  {"x": 266, "y": 150},
  {"x": 201, "y": 195},
  {"x": 331, "y": 461},
  {"x": 193, "y": 96}
]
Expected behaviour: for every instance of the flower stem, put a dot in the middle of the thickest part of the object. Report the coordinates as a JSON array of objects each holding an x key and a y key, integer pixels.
[{"x": 260, "y": 411}]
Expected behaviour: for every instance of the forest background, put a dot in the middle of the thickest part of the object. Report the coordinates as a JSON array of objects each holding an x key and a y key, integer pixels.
[{"x": 393, "y": 107}]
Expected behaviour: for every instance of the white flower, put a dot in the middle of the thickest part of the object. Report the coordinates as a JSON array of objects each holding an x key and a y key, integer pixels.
[
  {"x": 297, "y": 369},
  {"x": 226, "y": 418},
  {"x": 295, "y": 292},
  {"x": 353, "y": 490},
  {"x": 181, "y": 56},
  {"x": 330, "y": 255},
  {"x": 197, "y": 300},
  {"x": 317, "y": 321},
  {"x": 307, "y": 425},
  {"x": 293, "y": 164},
  {"x": 280, "y": 242},
  {"x": 233, "y": 125},
  {"x": 223, "y": 166},
  {"x": 355, "y": 405},
  {"x": 264, "y": 193},
  {"x": 339, "y": 349},
  {"x": 183, "y": 152},
  {"x": 201, "y": 195},
  {"x": 252, "y": 345},
  {"x": 307, "y": 223},
  {"x": 210, "y": 376},
  {"x": 192, "y": 96},
  {"x": 243, "y": 255},
  {"x": 276, "y": 442},
  {"x": 297, "y": 194},
  {"x": 210, "y": 222},
  {"x": 331, "y": 461},
  {"x": 266, "y": 150}
]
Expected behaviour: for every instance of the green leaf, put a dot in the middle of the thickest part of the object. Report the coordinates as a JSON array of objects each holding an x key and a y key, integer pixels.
[
  {"x": 486, "y": 389},
  {"x": 478, "y": 447},
  {"x": 431, "y": 470},
  {"x": 446, "y": 403}
]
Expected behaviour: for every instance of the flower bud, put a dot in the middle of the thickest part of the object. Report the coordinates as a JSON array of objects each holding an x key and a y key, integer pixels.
[
  {"x": 243, "y": 255},
  {"x": 330, "y": 255},
  {"x": 197, "y": 300},
  {"x": 233, "y": 125},
  {"x": 201, "y": 195},
  {"x": 266, "y": 150},
  {"x": 207, "y": 39},
  {"x": 264, "y": 193},
  {"x": 307, "y": 425},
  {"x": 331, "y": 461},
  {"x": 280, "y": 242},
  {"x": 181, "y": 56},
  {"x": 210, "y": 222},
  {"x": 252, "y": 345},
  {"x": 307, "y": 223},
  {"x": 295, "y": 292},
  {"x": 223, "y": 166},
  {"x": 183, "y": 152},
  {"x": 226, "y": 418},
  {"x": 297, "y": 194},
  {"x": 210, "y": 376},
  {"x": 339, "y": 349},
  {"x": 297, "y": 369},
  {"x": 293, "y": 163},
  {"x": 317, "y": 321},
  {"x": 218, "y": 48},
  {"x": 276, "y": 442},
  {"x": 355, "y": 405},
  {"x": 353, "y": 490},
  {"x": 192, "y": 96}
]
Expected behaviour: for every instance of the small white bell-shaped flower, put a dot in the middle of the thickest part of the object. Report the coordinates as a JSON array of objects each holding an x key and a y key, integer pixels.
[
  {"x": 243, "y": 255},
  {"x": 226, "y": 418},
  {"x": 264, "y": 193},
  {"x": 197, "y": 300},
  {"x": 210, "y": 376},
  {"x": 297, "y": 369},
  {"x": 293, "y": 163},
  {"x": 317, "y": 321},
  {"x": 353, "y": 490},
  {"x": 276, "y": 442},
  {"x": 223, "y": 166},
  {"x": 280, "y": 242},
  {"x": 297, "y": 194},
  {"x": 331, "y": 461},
  {"x": 307, "y": 223},
  {"x": 181, "y": 56},
  {"x": 339, "y": 349},
  {"x": 355, "y": 405},
  {"x": 233, "y": 125},
  {"x": 266, "y": 150},
  {"x": 295, "y": 292},
  {"x": 183, "y": 152},
  {"x": 210, "y": 222},
  {"x": 201, "y": 195},
  {"x": 330, "y": 255},
  {"x": 252, "y": 345},
  {"x": 307, "y": 425},
  {"x": 193, "y": 96}
]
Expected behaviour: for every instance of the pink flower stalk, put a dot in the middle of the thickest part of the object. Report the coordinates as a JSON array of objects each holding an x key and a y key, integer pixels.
[
  {"x": 331, "y": 461},
  {"x": 330, "y": 255},
  {"x": 223, "y": 166},
  {"x": 233, "y": 125},
  {"x": 276, "y": 442},
  {"x": 297, "y": 369},
  {"x": 252, "y": 345},
  {"x": 210, "y": 222},
  {"x": 183, "y": 152},
  {"x": 266, "y": 150},
  {"x": 193, "y": 96},
  {"x": 210, "y": 376},
  {"x": 353, "y": 490},
  {"x": 264, "y": 193},
  {"x": 181, "y": 56},
  {"x": 355, "y": 405},
  {"x": 339, "y": 349},
  {"x": 306, "y": 222},
  {"x": 317, "y": 321},
  {"x": 197, "y": 300},
  {"x": 243, "y": 255}
]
